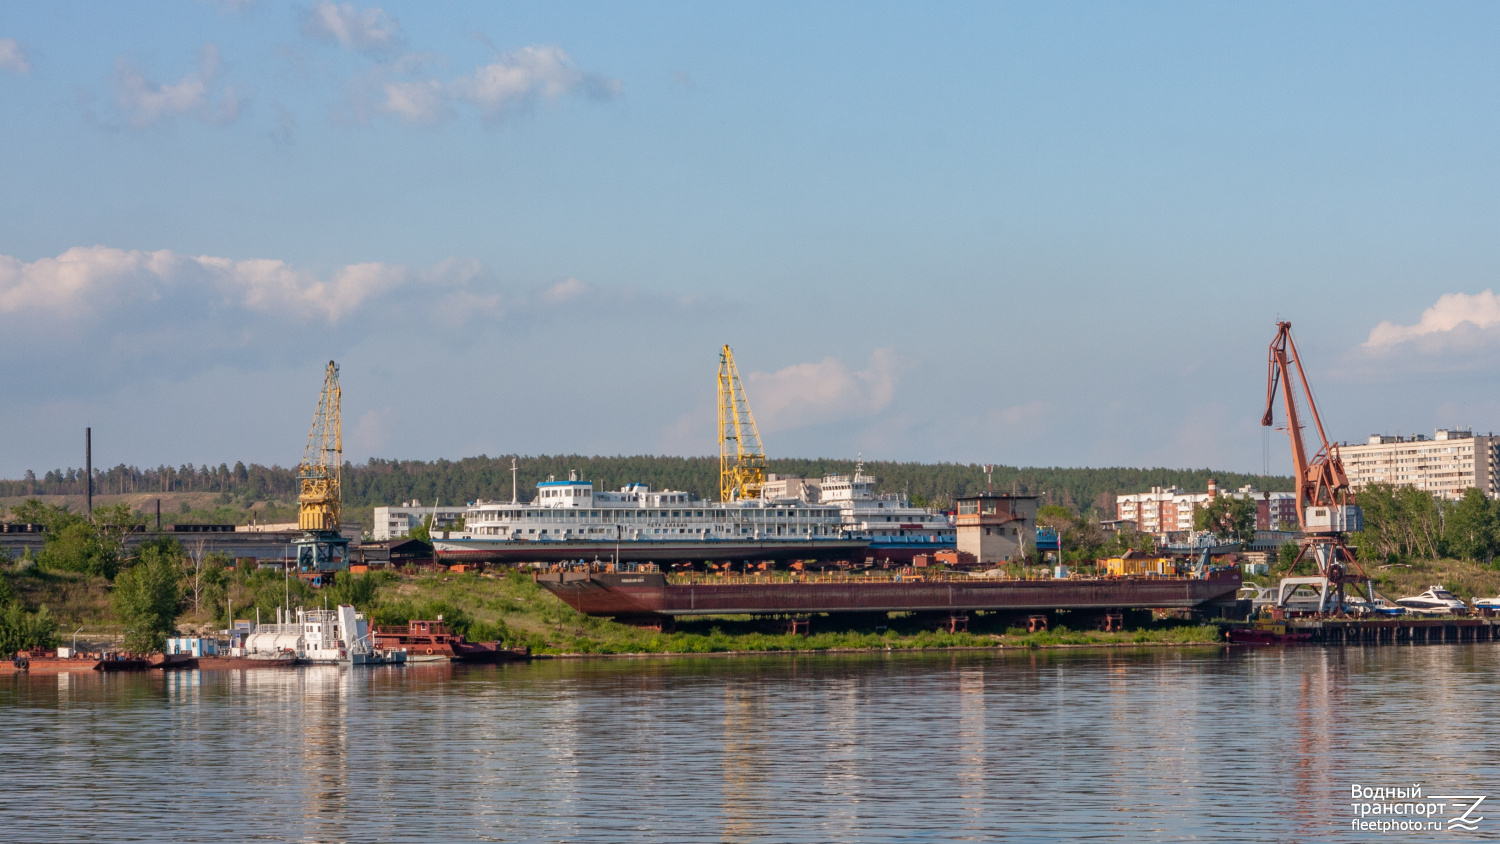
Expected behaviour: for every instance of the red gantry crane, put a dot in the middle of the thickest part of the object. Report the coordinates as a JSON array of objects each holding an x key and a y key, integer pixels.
[{"x": 1325, "y": 503}]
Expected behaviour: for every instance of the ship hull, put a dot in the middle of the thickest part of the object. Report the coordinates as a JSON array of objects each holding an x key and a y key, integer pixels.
[
  {"x": 628, "y": 594},
  {"x": 640, "y": 551}
]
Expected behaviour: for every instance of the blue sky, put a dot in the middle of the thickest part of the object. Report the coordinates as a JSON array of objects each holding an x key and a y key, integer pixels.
[{"x": 1039, "y": 234}]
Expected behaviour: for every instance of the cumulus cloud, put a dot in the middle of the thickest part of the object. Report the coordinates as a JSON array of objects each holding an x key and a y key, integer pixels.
[
  {"x": 109, "y": 315},
  {"x": 145, "y": 103},
  {"x": 517, "y": 80},
  {"x": 416, "y": 103},
  {"x": 83, "y": 279},
  {"x": 13, "y": 56},
  {"x": 1455, "y": 316},
  {"x": 827, "y": 391},
  {"x": 369, "y": 30},
  {"x": 404, "y": 90}
]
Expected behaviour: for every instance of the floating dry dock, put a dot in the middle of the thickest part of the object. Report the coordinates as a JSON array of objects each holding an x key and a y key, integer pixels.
[
  {"x": 649, "y": 594},
  {"x": 1396, "y": 631}
]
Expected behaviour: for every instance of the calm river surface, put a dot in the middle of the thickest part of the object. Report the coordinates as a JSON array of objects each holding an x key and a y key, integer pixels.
[{"x": 1099, "y": 745}]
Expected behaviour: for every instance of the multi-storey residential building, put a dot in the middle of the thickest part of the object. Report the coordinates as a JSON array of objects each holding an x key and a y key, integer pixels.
[
  {"x": 1169, "y": 510},
  {"x": 1445, "y": 465},
  {"x": 396, "y": 522}
]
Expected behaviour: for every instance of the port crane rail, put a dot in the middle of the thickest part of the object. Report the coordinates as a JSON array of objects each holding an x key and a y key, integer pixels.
[
  {"x": 742, "y": 460},
  {"x": 1325, "y": 501},
  {"x": 320, "y": 477}
]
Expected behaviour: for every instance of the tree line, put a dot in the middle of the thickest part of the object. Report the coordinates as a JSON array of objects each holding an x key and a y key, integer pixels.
[
  {"x": 1409, "y": 523},
  {"x": 387, "y": 482}
]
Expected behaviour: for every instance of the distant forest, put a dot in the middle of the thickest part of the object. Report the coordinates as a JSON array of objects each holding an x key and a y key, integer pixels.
[{"x": 378, "y": 482}]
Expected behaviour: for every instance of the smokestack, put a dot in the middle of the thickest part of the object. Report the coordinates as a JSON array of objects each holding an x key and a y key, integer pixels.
[
  {"x": 88, "y": 469},
  {"x": 1213, "y": 488}
]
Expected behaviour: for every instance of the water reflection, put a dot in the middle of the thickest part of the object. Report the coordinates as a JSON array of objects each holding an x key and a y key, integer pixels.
[{"x": 1150, "y": 745}]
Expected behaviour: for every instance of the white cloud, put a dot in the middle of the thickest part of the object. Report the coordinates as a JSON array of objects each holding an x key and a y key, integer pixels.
[
  {"x": 83, "y": 280},
  {"x": 416, "y": 103},
  {"x": 144, "y": 103},
  {"x": 568, "y": 288},
  {"x": 827, "y": 391},
  {"x": 1454, "y": 316},
  {"x": 13, "y": 56},
  {"x": 402, "y": 88},
  {"x": 517, "y": 80},
  {"x": 368, "y": 30}
]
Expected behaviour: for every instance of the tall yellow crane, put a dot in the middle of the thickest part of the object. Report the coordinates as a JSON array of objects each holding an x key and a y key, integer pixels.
[
  {"x": 742, "y": 460},
  {"x": 320, "y": 474}
]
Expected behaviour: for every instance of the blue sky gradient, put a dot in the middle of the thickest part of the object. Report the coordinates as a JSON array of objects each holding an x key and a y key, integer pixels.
[{"x": 1023, "y": 233}]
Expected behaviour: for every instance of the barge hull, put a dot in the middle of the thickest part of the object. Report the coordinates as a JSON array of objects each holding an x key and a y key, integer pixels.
[
  {"x": 624, "y": 594},
  {"x": 641, "y": 551}
]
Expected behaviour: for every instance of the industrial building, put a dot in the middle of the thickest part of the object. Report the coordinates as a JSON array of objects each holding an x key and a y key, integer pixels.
[
  {"x": 1169, "y": 510},
  {"x": 396, "y": 522},
  {"x": 995, "y": 527},
  {"x": 1446, "y": 464}
]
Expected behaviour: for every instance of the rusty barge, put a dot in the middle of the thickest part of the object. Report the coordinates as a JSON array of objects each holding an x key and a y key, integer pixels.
[{"x": 653, "y": 594}]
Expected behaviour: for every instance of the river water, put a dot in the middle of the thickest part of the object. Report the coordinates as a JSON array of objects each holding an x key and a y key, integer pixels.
[{"x": 1121, "y": 745}]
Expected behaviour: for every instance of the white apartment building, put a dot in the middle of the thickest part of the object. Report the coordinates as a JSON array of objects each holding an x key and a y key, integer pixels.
[
  {"x": 1166, "y": 510},
  {"x": 396, "y": 522},
  {"x": 1445, "y": 465}
]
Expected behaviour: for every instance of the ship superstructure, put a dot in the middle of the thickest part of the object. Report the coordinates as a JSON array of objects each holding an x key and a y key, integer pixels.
[
  {"x": 895, "y": 529},
  {"x": 570, "y": 520}
]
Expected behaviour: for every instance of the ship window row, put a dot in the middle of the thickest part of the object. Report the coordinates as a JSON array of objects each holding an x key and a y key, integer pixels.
[
  {"x": 749, "y": 515},
  {"x": 781, "y": 531}
]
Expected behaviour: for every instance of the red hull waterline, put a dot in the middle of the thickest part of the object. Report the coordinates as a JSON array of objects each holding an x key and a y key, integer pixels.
[{"x": 628, "y": 594}]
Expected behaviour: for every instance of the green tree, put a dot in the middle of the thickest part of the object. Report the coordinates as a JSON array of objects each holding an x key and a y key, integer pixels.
[
  {"x": 1287, "y": 555},
  {"x": 49, "y": 516},
  {"x": 1469, "y": 526},
  {"x": 1227, "y": 516},
  {"x": 422, "y": 532},
  {"x": 80, "y": 547},
  {"x": 147, "y": 597},
  {"x": 21, "y": 630},
  {"x": 357, "y": 590}
]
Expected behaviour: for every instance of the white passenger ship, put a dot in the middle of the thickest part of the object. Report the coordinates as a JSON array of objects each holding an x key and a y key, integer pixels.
[
  {"x": 895, "y": 529},
  {"x": 570, "y": 520}
]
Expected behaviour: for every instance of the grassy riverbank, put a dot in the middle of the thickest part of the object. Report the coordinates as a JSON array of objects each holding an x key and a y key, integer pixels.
[
  {"x": 524, "y": 613},
  {"x": 512, "y": 608}
]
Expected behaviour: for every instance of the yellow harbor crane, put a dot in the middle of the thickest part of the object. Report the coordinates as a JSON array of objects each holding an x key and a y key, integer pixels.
[
  {"x": 320, "y": 474},
  {"x": 742, "y": 460}
]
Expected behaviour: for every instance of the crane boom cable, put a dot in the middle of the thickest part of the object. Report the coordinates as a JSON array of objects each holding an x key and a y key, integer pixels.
[
  {"x": 320, "y": 474},
  {"x": 742, "y": 474}
]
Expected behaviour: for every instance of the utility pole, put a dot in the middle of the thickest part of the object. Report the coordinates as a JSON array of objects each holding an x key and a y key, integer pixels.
[
  {"x": 513, "y": 480},
  {"x": 88, "y": 470}
]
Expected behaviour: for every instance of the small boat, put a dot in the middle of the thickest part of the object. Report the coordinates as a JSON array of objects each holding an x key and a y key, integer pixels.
[
  {"x": 1381, "y": 606},
  {"x": 1267, "y": 632},
  {"x": 1435, "y": 601},
  {"x": 433, "y": 641},
  {"x": 1488, "y": 605}
]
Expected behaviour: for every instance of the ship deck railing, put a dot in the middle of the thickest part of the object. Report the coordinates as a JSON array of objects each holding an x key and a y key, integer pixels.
[{"x": 700, "y": 579}]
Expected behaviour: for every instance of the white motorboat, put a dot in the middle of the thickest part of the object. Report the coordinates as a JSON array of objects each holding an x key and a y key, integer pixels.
[{"x": 1435, "y": 601}]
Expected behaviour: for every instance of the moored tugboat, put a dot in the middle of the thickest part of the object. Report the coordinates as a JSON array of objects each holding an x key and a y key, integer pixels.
[
  {"x": 433, "y": 641},
  {"x": 1268, "y": 631}
]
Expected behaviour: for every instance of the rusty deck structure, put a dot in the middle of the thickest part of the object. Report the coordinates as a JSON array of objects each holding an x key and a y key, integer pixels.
[
  {"x": 1397, "y": 631},
  {"x": 651, "y": 594}
]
